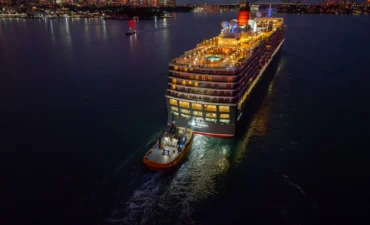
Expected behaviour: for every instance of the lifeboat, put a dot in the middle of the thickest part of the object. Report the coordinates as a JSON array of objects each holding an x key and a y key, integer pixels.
[{"x": 170, "y": 149}]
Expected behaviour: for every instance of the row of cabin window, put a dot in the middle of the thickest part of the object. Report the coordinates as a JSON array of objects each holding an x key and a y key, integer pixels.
[
  {"x": 207, "y": 85},
  {"x": 207, "y": 92},
  {"x": 203, "y": 78},
  {"x": 196, "y": 84},
  {"x": 199, "y": 106},
  {"x": 226, "y": 121},
  {"x": 184, "y": 69},
  {"x": 200, "y": 113}
]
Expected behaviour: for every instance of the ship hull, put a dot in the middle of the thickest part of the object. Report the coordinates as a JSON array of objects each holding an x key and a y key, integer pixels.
[
  {"x": 207, "y": 129},
  {"x": 218, "y": 129}
]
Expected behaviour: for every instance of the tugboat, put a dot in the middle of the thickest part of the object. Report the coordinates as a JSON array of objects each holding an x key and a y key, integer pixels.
[
  {"x": 170, "y": 148},
  {"x": 131, "y": 31}
]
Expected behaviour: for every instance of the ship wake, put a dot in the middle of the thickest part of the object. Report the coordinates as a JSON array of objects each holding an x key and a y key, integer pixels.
[{"x": 164, "y": 197}]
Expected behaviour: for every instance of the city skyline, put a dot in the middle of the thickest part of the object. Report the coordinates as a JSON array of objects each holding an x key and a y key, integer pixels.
[
  {"x": 258, "y": 2},
  {"x": 166, "y": 2}
]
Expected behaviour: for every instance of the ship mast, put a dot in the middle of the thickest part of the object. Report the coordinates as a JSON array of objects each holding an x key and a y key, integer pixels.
[{"x": 269, "y": 11}]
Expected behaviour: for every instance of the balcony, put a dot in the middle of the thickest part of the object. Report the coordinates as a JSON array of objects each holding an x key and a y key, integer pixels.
[
  {"x": 227, "y": 82},
  {"x": 204, "y": 98},
  {"x": 201, "y": 84},
  {"x": 221, "y": 70},
  {"x": 208, "y": 77},
  {"x": 201, "y": 91}
]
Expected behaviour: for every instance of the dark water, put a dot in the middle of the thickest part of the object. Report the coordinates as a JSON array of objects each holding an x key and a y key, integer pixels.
[{"x": 81, "y": 103}]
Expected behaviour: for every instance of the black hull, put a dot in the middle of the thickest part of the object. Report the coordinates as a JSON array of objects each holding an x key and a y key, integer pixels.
[
  {"x": 209, "y": 129},
  {"x": 258, "y": 95}
]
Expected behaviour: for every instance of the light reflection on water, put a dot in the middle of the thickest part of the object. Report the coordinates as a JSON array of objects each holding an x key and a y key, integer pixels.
[
  {"x": 68, "y": 37},
  {"x": 52, "y": 33},
  {"x": 133, "y": 42},
  {"x": 158, "y": 191},
  {"x": 104, "y": 30},
  {"x": 1, "y": 31},
  {"x": 259, "y": 123},
  {"x": 156, "y": 194},
  {"x": 86, "y": 30},
  {"x": 160, "y": 194},
  {"x": 194, "y": 181}
]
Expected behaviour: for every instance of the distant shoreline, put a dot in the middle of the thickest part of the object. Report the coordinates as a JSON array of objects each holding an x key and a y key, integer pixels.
[
  {"x": 43, "y": 11},
  {"x": 324, "y": 13},
  {"x": 21, "y": 16}
]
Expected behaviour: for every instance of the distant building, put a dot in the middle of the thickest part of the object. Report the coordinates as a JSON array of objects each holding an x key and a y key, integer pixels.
[
  {"x": 113, "y": 2},
  {"x": 171, "y": 2},
  {"x": 167, "y": 2},
  {"x": 153, "y": 2}
]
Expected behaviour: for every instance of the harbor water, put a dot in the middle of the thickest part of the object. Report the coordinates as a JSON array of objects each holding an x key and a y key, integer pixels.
[{"x": 82, "y": 102}]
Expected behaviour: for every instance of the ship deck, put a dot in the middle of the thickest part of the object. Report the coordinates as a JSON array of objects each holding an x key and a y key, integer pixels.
[
  {"x": 163, "y": 156},
  {"x": 169, "y": 151},
  {"x": 199, "y": 59},
  {"x": 229, "y": 50},
  {"x": 213, "y": 57}
]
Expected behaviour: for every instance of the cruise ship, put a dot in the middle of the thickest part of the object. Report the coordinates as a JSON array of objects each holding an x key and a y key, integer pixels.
[{"x": 209, "y": 86}]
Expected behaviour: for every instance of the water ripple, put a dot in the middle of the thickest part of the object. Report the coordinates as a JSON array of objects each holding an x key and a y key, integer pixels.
[{"x": 161, "y": 196}]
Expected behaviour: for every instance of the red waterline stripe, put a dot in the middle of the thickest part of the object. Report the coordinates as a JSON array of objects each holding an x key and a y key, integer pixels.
[{"x": 214, "y": 135}]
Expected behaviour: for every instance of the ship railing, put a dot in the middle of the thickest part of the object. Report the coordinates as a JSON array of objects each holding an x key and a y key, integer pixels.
[
  {"x": 214, "y": 99},
  {"x": 190, "y": 52},
  {"x": 228, "y": 87},
  {"x": 219, "y": 79},
  {"x": 181, "y": 64},
  {"x": 205, "y": 70},
  {"x": 230, "y": 35},
  {"x": 204, "y": 84},
  {"x": 211, "y": 70},
  {"x": 203, "y": 91}
]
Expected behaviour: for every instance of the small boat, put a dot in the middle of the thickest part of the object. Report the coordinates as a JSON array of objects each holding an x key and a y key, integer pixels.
[
  {"x": 166, "y": 16},
  {"x": 170, "y": 148},
  {"x": 131, "y": 31}
]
